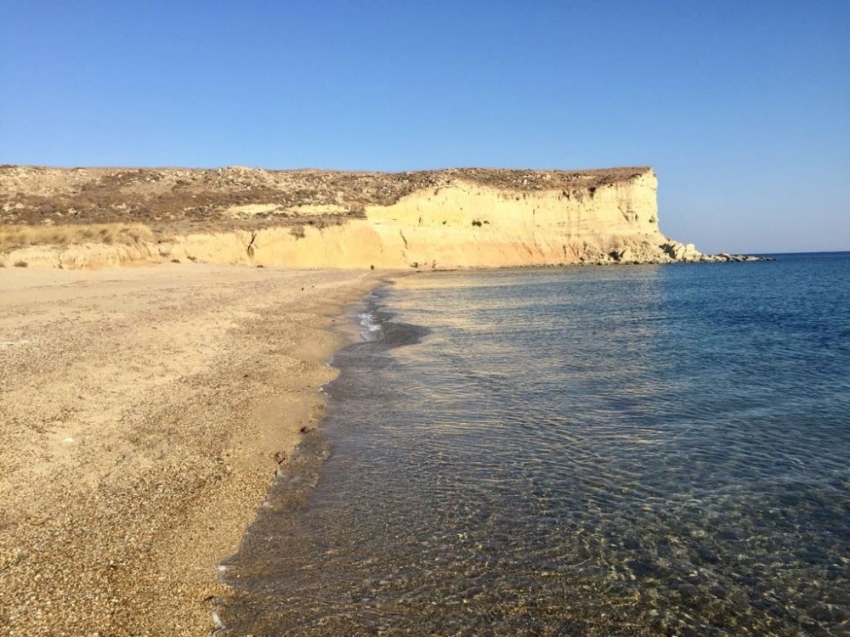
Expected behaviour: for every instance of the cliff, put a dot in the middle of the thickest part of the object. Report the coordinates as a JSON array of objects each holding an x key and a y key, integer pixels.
[{"x": 79, "y": 218}]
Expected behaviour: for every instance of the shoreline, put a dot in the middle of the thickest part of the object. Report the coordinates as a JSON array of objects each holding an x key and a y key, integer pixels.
[{"x": 144, "y": 412}]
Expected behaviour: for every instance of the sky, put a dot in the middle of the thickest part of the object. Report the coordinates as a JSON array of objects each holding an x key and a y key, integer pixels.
[{"x": 742, "y": 108}]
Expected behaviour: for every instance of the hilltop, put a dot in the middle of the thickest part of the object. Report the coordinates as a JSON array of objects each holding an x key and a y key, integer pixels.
[{"x": 465, "y": 217}]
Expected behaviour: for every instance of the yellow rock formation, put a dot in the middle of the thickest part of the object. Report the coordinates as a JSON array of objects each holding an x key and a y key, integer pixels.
[{"x": 442, "y": 219}]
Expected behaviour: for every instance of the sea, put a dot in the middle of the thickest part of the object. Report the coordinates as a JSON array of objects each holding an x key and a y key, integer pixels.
[{"x": 587, "y": 451}]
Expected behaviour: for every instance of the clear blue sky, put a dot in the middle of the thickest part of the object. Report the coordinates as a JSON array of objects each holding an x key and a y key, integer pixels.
[{"x": 742, "y": 107}]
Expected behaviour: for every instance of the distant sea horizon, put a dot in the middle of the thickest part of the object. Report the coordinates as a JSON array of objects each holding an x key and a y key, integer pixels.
[{"x": 812, "y": 253}]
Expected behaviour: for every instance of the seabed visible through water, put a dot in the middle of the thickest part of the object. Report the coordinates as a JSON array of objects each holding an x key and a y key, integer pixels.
[{"x": 632, "y": 451}]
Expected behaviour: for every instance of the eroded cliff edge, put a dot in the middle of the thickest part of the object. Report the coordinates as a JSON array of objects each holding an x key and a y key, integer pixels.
[{"x": 93, "y": 217}]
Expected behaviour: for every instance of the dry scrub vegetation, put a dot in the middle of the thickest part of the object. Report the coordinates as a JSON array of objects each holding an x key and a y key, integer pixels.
[
  {"x": 18, "y": 236},
  {"x": 176, "y": 201}
]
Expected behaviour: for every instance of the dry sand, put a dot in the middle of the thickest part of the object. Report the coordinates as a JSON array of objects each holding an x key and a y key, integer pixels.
[{"x": 142, "y": 416}]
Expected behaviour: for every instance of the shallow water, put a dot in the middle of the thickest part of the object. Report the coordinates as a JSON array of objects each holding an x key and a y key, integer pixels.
[{"x": 604, "y": 451}]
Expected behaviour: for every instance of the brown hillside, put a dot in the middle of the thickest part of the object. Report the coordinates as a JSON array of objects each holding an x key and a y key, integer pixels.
[{"x": 189, "y": 200}]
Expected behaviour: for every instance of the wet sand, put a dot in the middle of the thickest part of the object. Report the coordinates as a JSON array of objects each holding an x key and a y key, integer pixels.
[{"x": 143, "y": 413}]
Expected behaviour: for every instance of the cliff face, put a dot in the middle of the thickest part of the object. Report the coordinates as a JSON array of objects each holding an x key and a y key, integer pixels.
[
  {"x": 432, "y": 219},
  {"x": 472, "y": 225}
]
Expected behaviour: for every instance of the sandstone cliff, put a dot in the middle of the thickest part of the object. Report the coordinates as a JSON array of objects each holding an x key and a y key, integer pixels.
[{"x": 82, "y": 218}]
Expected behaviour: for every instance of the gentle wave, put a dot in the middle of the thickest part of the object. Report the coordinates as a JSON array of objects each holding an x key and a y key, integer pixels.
[{"x": 372, "y": 329}]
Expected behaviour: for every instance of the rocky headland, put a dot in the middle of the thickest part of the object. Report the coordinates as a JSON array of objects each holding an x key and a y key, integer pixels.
[{"x": 455, "y": 218}]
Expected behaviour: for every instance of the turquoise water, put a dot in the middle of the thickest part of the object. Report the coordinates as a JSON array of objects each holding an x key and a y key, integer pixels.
[{"x": 648, "y": 450}]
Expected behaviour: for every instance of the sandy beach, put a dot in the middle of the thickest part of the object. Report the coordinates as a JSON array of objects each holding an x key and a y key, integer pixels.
[{"x": 143, "y": 413}]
